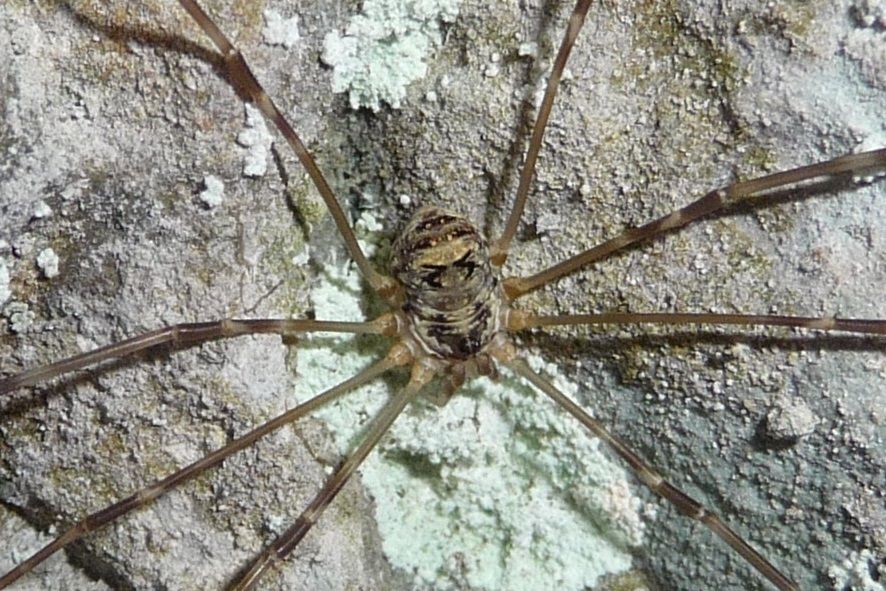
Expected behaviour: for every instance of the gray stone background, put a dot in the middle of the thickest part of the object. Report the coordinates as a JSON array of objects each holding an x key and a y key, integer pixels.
[{"x": 113, "y": 115}]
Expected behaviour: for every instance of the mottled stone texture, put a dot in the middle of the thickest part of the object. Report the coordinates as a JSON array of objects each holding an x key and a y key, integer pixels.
[{"x": 113, "y": 114}]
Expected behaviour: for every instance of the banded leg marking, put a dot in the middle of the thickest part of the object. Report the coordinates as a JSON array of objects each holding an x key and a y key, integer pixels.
[{"x": 189, "y": 334}]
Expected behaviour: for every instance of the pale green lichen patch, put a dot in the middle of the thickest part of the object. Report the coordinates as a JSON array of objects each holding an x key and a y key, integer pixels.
[
  {"x": 5, "y": 289},
  {"x": 384, "y": 48},
  {"x": 496, "y": 490}
]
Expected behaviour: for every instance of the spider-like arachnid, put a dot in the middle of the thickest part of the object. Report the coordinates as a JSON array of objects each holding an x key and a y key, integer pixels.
[{"x": 229, "y": 262}]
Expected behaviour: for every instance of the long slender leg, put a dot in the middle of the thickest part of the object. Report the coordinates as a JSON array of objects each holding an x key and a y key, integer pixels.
[
  {"x": 519, "y": 320},
  {"x": 652, "y": 479},
  {"x": 250, "y": 90},
  {"x": 499, "y": 251},
  {"x": 286, "y": 543},
  {"x": 189, "y": 334},
  {"x": 713, "y": 201},
  {"x": 396, "y": 357}
]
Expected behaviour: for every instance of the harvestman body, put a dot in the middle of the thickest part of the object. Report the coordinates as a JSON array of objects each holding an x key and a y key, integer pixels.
[{"x": 451, "y": 318}]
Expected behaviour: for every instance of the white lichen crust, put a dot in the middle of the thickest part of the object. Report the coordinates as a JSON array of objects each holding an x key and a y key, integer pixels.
[
  {"x": 496, "y": 490},
  {"x": 385, "y": 48}
]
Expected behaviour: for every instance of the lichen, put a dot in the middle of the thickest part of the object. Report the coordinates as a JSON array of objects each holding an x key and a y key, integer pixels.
[
  {"x": 496, "y": 490},
  {"x": 5, "y": 290},
  {"x": 383, "y": 49}
]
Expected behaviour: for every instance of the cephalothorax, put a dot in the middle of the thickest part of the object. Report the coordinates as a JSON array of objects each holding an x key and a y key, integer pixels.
[{"x": 451, "y": 318}]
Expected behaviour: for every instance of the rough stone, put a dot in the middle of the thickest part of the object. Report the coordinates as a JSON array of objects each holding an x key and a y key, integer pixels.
[{"x": 112, "y": 114}]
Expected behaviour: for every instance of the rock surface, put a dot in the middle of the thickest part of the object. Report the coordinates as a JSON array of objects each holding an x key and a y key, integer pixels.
[{"x": 112, "y": 115}]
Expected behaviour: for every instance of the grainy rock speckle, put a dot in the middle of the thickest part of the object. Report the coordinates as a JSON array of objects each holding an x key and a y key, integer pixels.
[{"x": 112, "y": 114}]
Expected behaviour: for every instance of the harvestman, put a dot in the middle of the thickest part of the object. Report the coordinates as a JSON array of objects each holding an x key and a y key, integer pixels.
[{"x": 451, "y": 318}]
